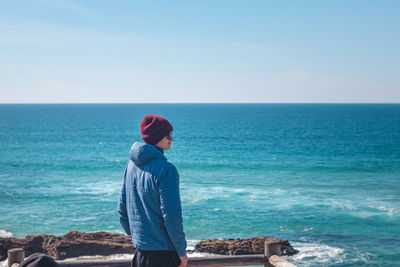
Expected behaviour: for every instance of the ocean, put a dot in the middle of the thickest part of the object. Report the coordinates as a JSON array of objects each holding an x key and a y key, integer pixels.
[{"x": 324, "y": 176}]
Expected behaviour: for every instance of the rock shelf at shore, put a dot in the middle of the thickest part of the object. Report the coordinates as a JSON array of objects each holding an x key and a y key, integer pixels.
[
  {"x": 75, "y": 244},
  {"x": 239, "y": 246}
]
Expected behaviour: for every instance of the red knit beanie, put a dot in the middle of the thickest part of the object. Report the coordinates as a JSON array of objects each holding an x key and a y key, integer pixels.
[{"x": 154, "y": 128}]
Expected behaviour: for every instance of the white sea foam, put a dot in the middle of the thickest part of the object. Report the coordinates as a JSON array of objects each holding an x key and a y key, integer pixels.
[
  {"x": 191, "y": 243},
  {"x": 197, "y": 194},
  {"x": 4, "y": 234},
  {"x": 83, "y": 219},
  {"x": 359, "y": 206},
  {"x": 101, "y": 188},
  {"x": 314, "y": 254},
  {"x": 200, "y": 254},
  {"x": 390, "y": 211},
  {"x": 375, "y": 207},
  {"x": 99, "y": 257}
]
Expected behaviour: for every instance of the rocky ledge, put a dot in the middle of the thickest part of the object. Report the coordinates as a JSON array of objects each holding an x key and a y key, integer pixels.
[
  {"x": 239, "y": 246},
  {"x": 75, "y": 244}
]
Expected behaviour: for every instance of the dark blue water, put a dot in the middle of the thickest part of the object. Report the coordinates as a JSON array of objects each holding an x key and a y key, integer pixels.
[{"x": 324, "y": 176}]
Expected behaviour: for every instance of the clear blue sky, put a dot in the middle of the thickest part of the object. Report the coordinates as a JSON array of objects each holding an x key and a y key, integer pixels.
[{"x": 64, "y": 51}]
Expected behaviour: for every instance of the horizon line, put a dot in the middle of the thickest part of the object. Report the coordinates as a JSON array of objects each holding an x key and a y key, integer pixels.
[{"x": 111, "y": 103}]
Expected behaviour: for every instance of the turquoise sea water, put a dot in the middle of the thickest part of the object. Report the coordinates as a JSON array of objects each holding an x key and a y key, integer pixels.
[{"x": 324, "y": 176}]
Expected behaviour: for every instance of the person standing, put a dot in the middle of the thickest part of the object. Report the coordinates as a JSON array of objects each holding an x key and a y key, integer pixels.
[{"x": 149, "y": 205}]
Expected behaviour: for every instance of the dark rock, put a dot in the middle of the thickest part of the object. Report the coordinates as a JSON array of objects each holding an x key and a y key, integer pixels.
[
  {"x": 73, "y": 244},
  {"x": 239, "y": 246}
]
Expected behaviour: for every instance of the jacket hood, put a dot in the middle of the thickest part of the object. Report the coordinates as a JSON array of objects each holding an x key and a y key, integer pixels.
[{"x": 142, "y": 153}]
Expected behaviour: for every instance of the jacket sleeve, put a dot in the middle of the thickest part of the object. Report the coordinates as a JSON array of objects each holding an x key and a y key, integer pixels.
[
  {"x": 170, "y": 204},
  {"x": 123, "y": 214}
]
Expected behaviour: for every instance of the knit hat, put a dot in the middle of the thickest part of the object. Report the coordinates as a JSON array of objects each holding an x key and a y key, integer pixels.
[{"x": 154, "y": 128}]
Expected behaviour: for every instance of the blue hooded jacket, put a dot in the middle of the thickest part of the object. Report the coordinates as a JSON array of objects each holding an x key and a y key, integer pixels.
[{"x": 149, "y": 203}]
